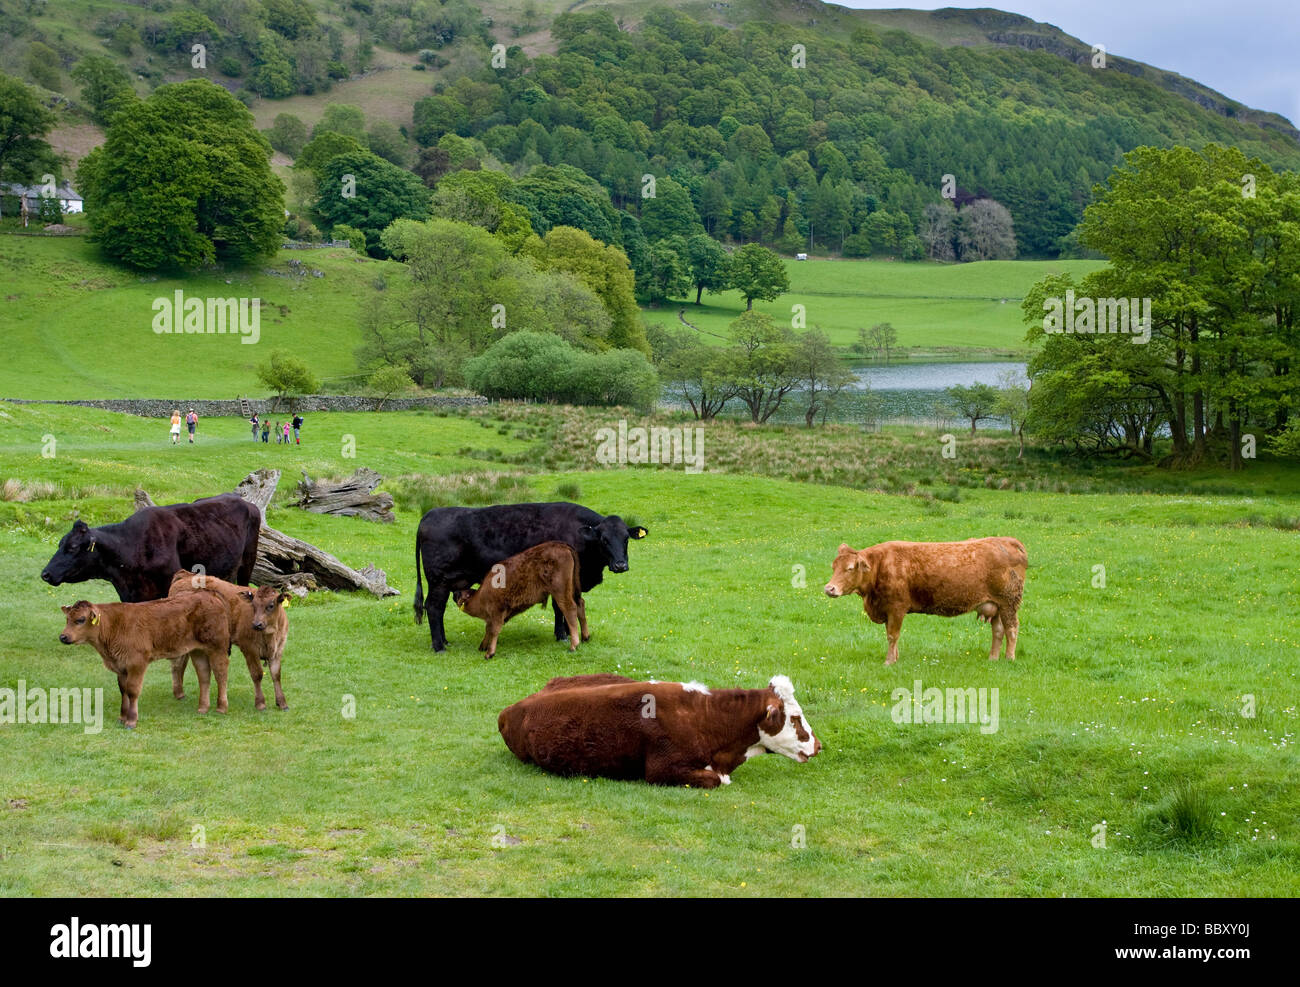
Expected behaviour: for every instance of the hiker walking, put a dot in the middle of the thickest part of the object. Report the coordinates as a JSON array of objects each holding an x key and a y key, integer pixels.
[
  {"x": 266, "y": 429},
  {"x": 253, "y": 421},
  {"x": 286, "y": 433},
  {"x": 176, "y": 426},
  {"x": 191, "y": 422},
  {"x": 297, "y": 424}
]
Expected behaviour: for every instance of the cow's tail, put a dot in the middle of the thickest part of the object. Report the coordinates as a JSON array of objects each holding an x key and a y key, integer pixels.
[{"x": 419, "y": 587}]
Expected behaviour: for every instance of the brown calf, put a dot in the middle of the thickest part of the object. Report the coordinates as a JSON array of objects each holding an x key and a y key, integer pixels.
[
  {"x": 258, "y": 624},
  {"x": 947, "y": 578},
  {"x": 525, "y": 580},
  {"x": 130, "y": 635},
  {"x": 668, "y": 733}
]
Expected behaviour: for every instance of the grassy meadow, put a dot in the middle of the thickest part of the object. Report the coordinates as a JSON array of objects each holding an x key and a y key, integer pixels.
[
  {"x": 81, "y": 327},
  {"x": 1124, "y": 704}
]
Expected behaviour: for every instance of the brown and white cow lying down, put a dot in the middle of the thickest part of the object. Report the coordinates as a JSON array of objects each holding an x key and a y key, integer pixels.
[
  {"x": 608, "y": 726},
  {"x": 548, "y": 570},
  {"x": 945, "y": 578},
  {"x": 130, "y": 635},
  {"x": 258, "y": 624}
]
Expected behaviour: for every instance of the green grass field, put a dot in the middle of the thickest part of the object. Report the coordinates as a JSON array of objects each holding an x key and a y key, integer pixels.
[
  {"x": 1124, "y": 704},
  {"x": 80, "y": 327},
  {"x": 969, "y": 309}
]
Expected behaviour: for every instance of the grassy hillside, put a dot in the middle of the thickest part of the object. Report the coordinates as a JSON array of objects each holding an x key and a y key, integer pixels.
[
  {"x": 81, "y": 328},
  {"x": 967, "y": 308},
  {"x": 1119, "y": 700}
]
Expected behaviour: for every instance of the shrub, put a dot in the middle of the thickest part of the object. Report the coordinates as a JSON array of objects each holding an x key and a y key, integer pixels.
[{"x": 540, "y": 366}]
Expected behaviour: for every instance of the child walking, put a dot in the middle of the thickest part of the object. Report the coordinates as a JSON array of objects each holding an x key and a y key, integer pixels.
[
  {"x": 286, "y": 433},
  {"x": 266, "y": 429},
  {"x": 176, "y": 426}
]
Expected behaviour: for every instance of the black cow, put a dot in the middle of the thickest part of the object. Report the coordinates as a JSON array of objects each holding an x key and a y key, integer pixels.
[
  {"x": 140, "y": 555},
  {"x": 459, "y": 546}
]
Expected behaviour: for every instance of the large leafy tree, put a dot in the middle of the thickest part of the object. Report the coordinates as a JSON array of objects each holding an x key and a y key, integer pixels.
[
  {"x": 183, "y": 179},
  {"x": 604, "y": 269},
  {"x": 104, "y": 86},
  {"x": 708, "y": 262},
  {"x": 757, "y": 272},
  {"x": 363, "y": 190},
  {"x": 764, "y": 368},
  {"x": 24, "y": 122}
]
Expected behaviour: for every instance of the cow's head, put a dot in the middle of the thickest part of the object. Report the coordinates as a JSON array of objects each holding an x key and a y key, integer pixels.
[
  {"x": 611, "y": 537},
  {"x": 263, "y": 602},
  {"x": 82, "y": 619},
  {"x": 850, "y": 572},
  {"x": 463, "y": 596},
  {"x": 784, "y": 730},
  {"x": 77, "y": 558}
]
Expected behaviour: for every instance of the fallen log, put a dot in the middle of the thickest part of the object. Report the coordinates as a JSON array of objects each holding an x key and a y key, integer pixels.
[
  {"x": 290, "y": 563},
  {"x": 353, "y": 497}
]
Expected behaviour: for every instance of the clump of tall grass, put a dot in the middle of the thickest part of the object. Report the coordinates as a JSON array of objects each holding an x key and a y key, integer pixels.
[
  {"x": 418, "y": 492},
  {"x": 1186, "y": 817}
]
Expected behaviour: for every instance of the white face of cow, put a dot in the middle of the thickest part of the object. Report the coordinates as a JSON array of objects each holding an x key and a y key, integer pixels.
[{"x": 793, "y": 738}]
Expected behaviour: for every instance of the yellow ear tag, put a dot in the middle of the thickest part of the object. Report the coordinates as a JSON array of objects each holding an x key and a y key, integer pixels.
[
  {"x": 94, "y": 619},
  {"x": 92, "y": 546},
  {"x": 285, "y": 604}
]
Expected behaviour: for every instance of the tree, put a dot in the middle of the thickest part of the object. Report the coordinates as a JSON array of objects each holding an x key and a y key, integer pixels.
[
  {"x": 757, "y": 272},
  {"x": 287, "y": 377},
  {"x": 104, "y": 86},
  {"x": 342, "y": 118},
  {"x": 43, "y": 65},
  {"x": 701, "y": 374},
  {"x": 883, "y": 337},
  {"x": 387, "y": 141},
  {"x": 604, "y": 269},
  {"x": 939, "y": 230},
  {"x": 355, "y": 238},
  {"x": 183, "y": 179},
  {"x": 820, "y": 373},
  {"x": 669, "y": 213},
  {"x": 708, "y": 263},
  {"x": 287, "y": 134},
  {"x": 389, "y": 380},
  {"x": 764, "y": 369},
  {"x": 24, "y": 122},
  {"x": 666, "y": 274},
  {"x": 985, "y": 231},
  {"x": 975, "y": 403},
  {"x": 319, "y": 151},
  {"x": 363, "y": 190},
  {"x": 1013, "y": 403}
]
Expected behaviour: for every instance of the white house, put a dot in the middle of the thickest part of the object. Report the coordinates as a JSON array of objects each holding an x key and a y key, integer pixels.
[{"x": 69, "y": 200}]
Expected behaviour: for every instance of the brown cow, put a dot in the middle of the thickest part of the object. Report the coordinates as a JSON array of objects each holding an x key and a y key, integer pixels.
[
  {"x": 946, "y": 578},
  {"x": 525, "y": 580},
  {"x": 667, "y": 733},
  {"x": 258, "y": 624},
  {"x": 130, "y": 635}
]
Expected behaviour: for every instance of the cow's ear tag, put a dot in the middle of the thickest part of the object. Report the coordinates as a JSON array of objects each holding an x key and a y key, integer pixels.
[
  {"x": 92, "y": 546},
  {"x": 94, "y": 619},
  {"x": 285, "y": 604},
  {"x": 639, "y": 533}
]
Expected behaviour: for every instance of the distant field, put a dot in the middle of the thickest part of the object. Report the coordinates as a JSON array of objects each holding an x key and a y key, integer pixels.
[
  {"x": 1120, "y": 699},
  {"x": 970, "y": 307},
  {"x": 80, "y": 327}
]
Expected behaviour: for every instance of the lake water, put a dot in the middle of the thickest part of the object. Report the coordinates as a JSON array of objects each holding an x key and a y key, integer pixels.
[{"x": 907, "y": 392}]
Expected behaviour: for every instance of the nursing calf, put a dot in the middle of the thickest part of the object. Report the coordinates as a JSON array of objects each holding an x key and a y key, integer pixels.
[
  {"x": 128, "y": 636},
  {"x": 258, "y": 624},
  {"x": 666, "y": 733},
  {"x": 896, "y": 578},
  {"x": 550, "y": 569}
]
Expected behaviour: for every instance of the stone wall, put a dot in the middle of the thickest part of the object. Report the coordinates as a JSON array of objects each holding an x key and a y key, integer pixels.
[{"x": 158, "y": 408}]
